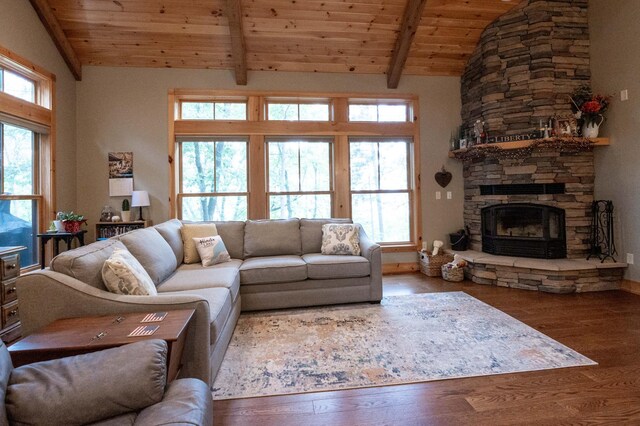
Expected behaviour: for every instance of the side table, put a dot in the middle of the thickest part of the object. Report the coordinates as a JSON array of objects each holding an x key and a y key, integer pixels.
[
  {"x": 67, "y": 237},
  {"x": 75, "y": 336}
]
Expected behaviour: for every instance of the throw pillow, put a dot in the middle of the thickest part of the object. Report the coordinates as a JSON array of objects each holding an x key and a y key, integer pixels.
[
  {"x": 212, "y": 250},
  {"x": 195, "y": 230},
  {"x": 123, "y": 274},
  {"x": 340, "y": 239}
]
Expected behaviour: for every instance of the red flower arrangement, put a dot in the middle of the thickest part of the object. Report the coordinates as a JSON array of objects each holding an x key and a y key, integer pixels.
[{"x": 589, "y": 107}]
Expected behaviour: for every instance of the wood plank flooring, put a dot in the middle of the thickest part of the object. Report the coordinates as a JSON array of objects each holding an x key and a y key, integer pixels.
[{"x": 603, "y": 326}]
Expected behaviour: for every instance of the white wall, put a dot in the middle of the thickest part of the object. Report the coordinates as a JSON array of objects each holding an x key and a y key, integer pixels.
[
  {"x": 615, "y": 64},
  {"x": 125, "y": 109},
  {"x": 22, "y": 32}
]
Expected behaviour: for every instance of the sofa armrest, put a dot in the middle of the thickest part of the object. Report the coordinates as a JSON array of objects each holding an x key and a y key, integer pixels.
[
  {"x": 87, "y": 388},
  {"x": 186, "y": 401},
  {"x": 46, "y": 296},
  {"x": 373, "y": 253}
]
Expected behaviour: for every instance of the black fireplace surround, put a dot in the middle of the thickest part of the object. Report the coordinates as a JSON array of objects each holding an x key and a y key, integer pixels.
[{"x": 524, "y": 230}]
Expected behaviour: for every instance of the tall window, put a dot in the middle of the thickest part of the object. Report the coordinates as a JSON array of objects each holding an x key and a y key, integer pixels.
[
  {"x": 381, "y": 187},
  {"x": 19, "y": 189},
  {"x": 213, "y": 181},
  {"x": 26, "y": 155},
  {"x": 299, "y": 178}
]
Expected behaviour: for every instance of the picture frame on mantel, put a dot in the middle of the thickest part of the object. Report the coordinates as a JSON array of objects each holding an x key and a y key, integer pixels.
[{"x": 566, "y": 125}]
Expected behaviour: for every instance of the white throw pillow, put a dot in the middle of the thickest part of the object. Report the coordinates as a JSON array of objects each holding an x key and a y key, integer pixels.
[
  {"x": 123, "y": 274},
  {"x": 212, "y": 250},
  {"x": 191, "y": 230},
  {"x": 340, "y": 238}
]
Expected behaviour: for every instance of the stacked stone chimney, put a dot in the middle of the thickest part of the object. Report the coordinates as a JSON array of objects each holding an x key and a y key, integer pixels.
[{"x": 526, "y": 65}]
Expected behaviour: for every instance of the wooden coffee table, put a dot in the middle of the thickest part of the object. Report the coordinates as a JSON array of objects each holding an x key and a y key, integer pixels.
[{"x": 75, "y": 336}]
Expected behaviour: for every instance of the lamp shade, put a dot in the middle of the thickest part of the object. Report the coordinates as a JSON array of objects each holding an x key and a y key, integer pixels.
[{"x": 140, "y": 199}]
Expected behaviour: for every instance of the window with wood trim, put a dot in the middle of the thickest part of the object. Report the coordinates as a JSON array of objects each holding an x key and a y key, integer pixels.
[
  {"x": 213, "y": 179},
  {"x": 26, "y": 154},
  {"x": 307, "y": 155},
  {"x": 299, "y": 177},
  {"x": 381, "y": 187}
]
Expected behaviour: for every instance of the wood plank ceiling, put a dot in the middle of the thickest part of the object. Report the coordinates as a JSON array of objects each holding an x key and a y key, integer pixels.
[{"x": 344, "y": 36}]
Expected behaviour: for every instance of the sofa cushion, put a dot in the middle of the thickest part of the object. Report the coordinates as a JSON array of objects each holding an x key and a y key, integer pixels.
[
  {"x": 194, "y": 276},
  {"x": 272, "y": 237},
  {"x": 123, "y": 274},
  {"x": 170, "y": 231},
  {"x": 189, "y": 231},
  {"x": 211, "y": 250},
  {"x": 85, "y": 263},
  {"x": 152, "y": 251},
  {"x": 328, "y": 266},
  {"x": 340, "y": 239},
  {"x": 273, "y": 269},
  {"x": 220, "y": 306},
  {"x": 232, "y": 233},
  {"x": 311, "y": 233}
]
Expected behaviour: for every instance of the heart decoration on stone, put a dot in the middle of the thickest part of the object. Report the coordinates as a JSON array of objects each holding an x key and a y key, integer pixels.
[{"x": 443, "y": 177}]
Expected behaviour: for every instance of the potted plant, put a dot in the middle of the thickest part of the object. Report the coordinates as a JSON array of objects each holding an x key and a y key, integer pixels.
[
  {"x": 71, "y": 221},
  {"x": 126, "y": 213}
]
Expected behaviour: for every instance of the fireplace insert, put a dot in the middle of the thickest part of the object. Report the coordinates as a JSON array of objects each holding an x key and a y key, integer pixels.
[{"x": 525, "y": 230}]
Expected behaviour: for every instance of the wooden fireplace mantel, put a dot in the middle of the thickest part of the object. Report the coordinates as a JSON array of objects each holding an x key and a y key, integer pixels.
[{"x": 518, "y": 145}]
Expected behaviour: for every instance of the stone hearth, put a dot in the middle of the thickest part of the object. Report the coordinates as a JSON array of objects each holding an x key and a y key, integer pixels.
[{"x": 552, "y": 276}]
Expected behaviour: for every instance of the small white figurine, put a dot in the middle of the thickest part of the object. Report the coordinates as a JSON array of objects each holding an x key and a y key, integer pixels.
[
  {"x": 115, "y": 218},
  {"x": 436, "y": 246}
]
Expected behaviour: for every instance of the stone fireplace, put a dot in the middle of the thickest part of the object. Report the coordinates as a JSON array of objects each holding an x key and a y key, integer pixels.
[{"x": 561, "y": 181}]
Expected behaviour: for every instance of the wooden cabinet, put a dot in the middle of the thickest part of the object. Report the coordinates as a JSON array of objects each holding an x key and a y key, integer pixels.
[
  {"x": 9, "y": 311},
  {"x": 106, "y": 230}
]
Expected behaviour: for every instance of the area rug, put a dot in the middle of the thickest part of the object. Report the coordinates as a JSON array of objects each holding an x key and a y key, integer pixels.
[{"x": 405, "y": 339}]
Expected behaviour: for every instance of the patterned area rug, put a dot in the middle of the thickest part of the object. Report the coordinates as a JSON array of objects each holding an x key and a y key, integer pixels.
[{"x": 405, "y": 339}]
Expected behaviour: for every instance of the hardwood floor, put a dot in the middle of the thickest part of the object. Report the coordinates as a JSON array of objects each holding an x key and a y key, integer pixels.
[{"x": 603, "y": 326}]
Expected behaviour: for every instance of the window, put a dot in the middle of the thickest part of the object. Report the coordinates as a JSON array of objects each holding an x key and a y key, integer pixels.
[
  {"x": 379, "y": 112},
  {"x": 299, "y": 178},
  {"x": 289, "y": 111},
  {"x": 19, "y": 201},
  {"x": 381, "y": 187},
  {"x": 26, "y": 154},
  {"x": 16, "y": 85},
  {"x": 214, "y": 110},
  {"x": 213, "y": 181},
  {"x": 298, "y": 155}
]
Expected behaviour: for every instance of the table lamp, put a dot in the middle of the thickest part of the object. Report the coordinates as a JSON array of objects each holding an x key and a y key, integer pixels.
[{"x": 140, "y": 199}]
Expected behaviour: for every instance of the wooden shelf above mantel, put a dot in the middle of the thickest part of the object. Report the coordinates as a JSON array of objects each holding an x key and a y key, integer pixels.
[{"x": 519, "y": 144}]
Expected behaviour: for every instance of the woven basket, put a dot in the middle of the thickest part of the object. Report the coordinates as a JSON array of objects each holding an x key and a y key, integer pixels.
[
  {"x": 430, "y": 265},
  {"x": 454, "y": 274}
]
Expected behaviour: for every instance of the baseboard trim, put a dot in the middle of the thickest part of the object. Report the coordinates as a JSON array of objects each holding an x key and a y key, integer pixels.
[
  {"x": 630, "y": 286},
  {"x": 399, "y": 268}
]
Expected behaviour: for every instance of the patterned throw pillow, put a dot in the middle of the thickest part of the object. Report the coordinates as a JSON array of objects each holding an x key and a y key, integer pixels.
[
  {"x": 190, "y": 231},
  {"x": 212, "y": 250},
  {"x": 123, "y": 274},
  {"x": 338, "y": 238}
]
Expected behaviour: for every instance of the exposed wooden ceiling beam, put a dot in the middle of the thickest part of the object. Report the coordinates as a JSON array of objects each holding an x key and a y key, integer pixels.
[
  {"x": 238, "y": 46},
  {"x": 410, "y": 22},
  {"x": 54, "y": 29}
]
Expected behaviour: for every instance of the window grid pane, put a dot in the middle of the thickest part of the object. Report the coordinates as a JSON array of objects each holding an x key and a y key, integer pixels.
[
  {"x": 299, "y": 178},
  {"x": 197, "y": 111},
  {"x": 218, "y": 169},
  {"x": 385, "y": 217},
  {"x": 218, "y": 207},
  {"x": 19, "y": 86},
  {"x": 18, "y": 160}
]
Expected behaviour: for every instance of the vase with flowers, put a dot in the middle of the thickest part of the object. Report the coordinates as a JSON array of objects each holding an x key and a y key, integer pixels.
[{"x": 590, "y": 109}]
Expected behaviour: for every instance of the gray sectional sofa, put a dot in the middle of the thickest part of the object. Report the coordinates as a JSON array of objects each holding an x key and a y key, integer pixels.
[{"x": 275, "y": 264}]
